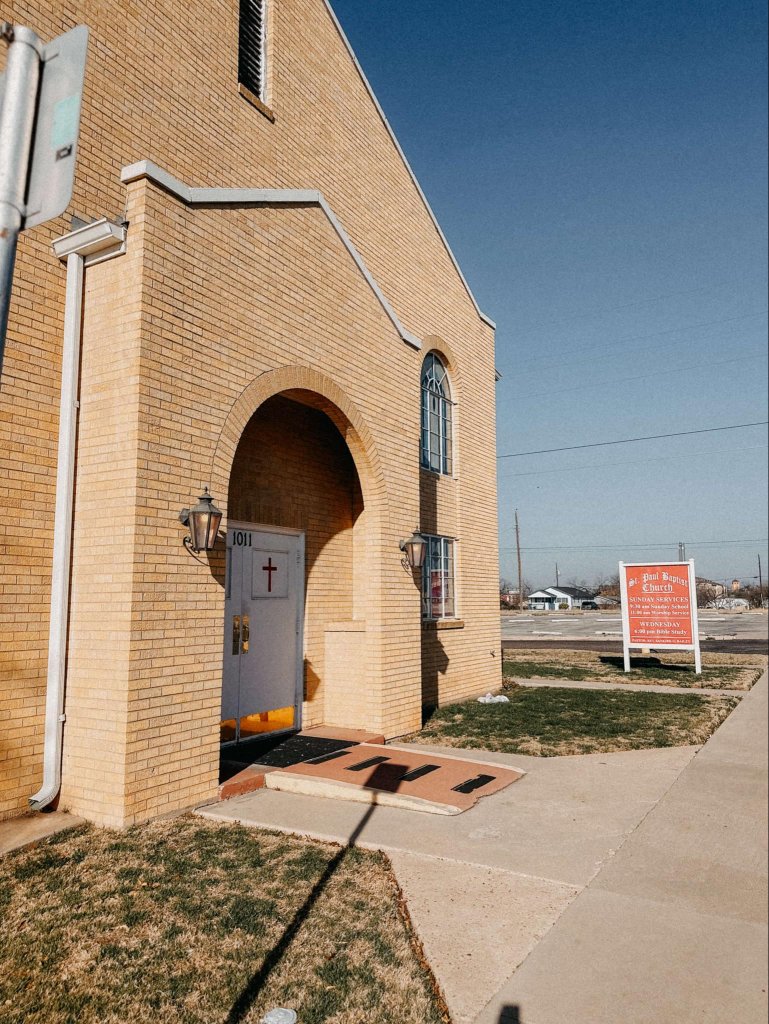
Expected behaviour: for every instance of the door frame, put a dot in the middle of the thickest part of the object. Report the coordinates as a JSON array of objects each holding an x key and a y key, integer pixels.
[{"x": 237, "y": 524}]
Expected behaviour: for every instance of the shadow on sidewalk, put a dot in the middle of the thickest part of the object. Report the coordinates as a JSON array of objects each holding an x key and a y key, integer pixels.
[
  {"x": 245, "y": 1001},
  {"x": 510, "y": 1015}
]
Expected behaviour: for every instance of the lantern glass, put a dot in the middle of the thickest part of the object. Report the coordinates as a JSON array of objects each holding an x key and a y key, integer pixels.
[
  {"x": 204, "y": 522},
  {"x": 416, "y": 549}
]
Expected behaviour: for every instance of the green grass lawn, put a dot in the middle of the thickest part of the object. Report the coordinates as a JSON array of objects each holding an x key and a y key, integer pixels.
[
  {"x": 189, "y": 922},
  {"x": 551, "y": 721},
  {"x": 722, "y": 672}
]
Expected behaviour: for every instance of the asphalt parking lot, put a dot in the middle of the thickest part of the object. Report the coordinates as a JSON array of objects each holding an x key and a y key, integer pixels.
[{"x": 607, "y": 626}]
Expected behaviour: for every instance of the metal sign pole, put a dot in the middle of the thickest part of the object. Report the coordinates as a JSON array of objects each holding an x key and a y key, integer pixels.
[
  {"x": 18, "y": 101},
  {"x": 625, "y": 616},
  {"x": 695, "y": 618}
]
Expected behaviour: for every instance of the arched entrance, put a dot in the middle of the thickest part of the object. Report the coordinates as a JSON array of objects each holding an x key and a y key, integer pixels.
[{"x": 298, "y": 588}]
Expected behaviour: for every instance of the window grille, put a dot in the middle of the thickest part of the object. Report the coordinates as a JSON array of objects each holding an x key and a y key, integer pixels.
[
  {"x": 437, "y": 425},
  {"x": 252, "y": 63},
  {"x": 438, "y": 579}
]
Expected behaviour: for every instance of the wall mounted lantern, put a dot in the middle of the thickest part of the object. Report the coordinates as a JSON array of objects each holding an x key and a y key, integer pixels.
[
  {"x": 415, "y": 549},
  {"x": 203, "y": 522}
]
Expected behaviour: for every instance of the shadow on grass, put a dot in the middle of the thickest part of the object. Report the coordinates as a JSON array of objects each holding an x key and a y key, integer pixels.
[
  {"x": 245, "y": 1001},
  {"x": 642, "y": 663}
]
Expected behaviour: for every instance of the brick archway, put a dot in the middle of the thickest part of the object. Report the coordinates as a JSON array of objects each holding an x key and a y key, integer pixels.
[
  {"x": 321, "y": 393},
  {"x": 343, "y": 659}
]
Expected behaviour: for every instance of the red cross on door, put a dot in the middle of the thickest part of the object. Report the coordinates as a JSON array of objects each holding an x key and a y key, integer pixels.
[{"x": 269, "y": 569}]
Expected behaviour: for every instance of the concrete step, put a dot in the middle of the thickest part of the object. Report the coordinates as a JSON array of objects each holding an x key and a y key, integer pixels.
[{"x": 396, "y": 777}]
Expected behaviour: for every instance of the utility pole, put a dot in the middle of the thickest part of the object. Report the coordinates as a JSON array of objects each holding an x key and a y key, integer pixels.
[
  {"x": 557, "y": 576},
  {"x": 520, "y": 563},
  {"x": 760, "y": 581},
  {"x": 681, "y": 551}
]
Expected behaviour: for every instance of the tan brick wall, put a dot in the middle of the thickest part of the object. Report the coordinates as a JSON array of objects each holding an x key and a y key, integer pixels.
[
  {"x": 178, "y": 333},
  {"x": 348, "y": 702}
]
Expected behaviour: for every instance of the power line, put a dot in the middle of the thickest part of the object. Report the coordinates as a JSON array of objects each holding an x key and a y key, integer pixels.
[
  {"x": 633, "y": 440},
  {"x": 638, "y": 547},
  {"x": 636, "y": 462},
  {"x": 645, "y": 376}
]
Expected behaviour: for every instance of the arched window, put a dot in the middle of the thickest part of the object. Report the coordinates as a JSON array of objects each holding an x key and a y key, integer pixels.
[{"x": 437, "y": 433}]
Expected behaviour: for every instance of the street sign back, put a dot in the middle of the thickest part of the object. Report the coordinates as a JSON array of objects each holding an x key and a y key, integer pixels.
[{"x": 57, "y": 128}]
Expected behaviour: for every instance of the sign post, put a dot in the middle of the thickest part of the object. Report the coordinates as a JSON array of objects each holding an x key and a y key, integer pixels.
[
  {"x": 659, "y": 608},
  {"x": 40, "y": 97}
]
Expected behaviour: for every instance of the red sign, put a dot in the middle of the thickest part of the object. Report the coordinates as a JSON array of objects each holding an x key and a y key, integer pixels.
[{"x": 659, "y": 605}]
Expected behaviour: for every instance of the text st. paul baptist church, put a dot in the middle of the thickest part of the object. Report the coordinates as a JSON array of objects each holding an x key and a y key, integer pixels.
[{"x": 249, "y": 294}]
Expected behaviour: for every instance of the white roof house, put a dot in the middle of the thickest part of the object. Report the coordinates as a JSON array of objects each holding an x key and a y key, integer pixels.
[{"x": 553, "y": 598}]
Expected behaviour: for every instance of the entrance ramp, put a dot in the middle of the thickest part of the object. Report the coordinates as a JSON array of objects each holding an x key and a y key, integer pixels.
[
  {"x": 396, "y": 777},
  {"x": 245, "y": 766}
]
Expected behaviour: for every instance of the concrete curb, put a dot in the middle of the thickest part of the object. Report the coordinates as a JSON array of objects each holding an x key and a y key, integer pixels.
[{"x": 19, "y": 833}]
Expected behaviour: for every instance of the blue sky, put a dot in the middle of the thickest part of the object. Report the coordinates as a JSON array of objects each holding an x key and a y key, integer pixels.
[{"x": 600, "y": 172}]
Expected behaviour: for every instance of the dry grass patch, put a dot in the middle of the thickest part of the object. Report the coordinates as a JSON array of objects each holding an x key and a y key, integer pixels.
[
  {"x": 552, "y": 721},
  {"x": 190, "y": 922},
  {"x": 720, "y": 671}
]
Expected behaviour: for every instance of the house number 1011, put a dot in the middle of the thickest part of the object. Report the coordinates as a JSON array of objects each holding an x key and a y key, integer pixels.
[{"x": 240, "y": 539}]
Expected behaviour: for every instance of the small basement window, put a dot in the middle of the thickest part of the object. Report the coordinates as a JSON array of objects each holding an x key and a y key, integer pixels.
[{"x": 252, "y": 53}]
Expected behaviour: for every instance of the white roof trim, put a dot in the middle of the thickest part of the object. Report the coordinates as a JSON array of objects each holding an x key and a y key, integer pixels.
[
  {"x": 388, "y": 126},
  {"x": 247, "y": 196}
]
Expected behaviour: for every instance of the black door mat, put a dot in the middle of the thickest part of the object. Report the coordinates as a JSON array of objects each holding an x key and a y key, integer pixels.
[{"x": 277, "y": 753}]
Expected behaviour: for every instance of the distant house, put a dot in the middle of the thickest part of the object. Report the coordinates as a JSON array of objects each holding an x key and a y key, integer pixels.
[
  {"x": 709, "y": 591},
  {"x": 553, "y": 598},
  {"x": 730, "y": 604}
]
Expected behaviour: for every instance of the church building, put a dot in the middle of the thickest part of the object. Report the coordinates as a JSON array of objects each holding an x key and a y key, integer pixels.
[{"x": 248, "y": 309}]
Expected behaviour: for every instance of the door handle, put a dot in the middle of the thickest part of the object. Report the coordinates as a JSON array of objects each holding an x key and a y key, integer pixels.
[
  {"x": 236, "y": 635},
  {"x": 245, "y": 636}
]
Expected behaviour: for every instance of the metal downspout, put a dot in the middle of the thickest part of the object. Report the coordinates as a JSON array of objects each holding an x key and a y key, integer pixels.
[{"x": 62, "y": 536}]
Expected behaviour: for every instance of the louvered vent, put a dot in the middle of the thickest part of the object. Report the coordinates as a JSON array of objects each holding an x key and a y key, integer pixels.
[{"x": 251, "y": 64}]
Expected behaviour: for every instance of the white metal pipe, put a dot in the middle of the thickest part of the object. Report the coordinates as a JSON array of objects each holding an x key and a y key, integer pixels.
[{"x": 62, "y": 535}]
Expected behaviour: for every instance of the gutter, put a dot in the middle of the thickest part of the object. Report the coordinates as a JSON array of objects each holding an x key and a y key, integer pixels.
[{"x": 84, "y": 247}]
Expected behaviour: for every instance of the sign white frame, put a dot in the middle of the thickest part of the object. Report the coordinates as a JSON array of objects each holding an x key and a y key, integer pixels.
[{"x": 626, "y": 645}]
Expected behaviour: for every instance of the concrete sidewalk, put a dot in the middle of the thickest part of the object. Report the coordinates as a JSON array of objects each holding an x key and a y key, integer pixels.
[
  {"x": 674, "y": 927},
  {"x": 601, "y": 889},
  {"x": 485, "y": 887}
]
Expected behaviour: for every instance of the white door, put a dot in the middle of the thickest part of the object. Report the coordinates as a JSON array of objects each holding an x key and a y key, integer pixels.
[{"x": 263, "y": 649}]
